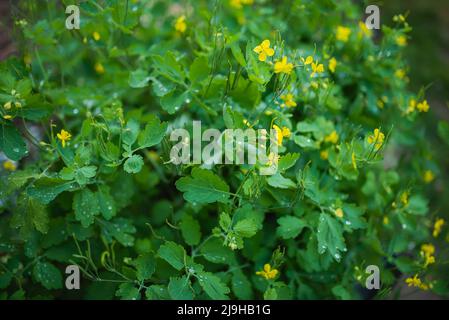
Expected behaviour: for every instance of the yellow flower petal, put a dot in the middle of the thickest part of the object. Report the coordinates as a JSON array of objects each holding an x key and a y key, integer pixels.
[
  {"x": 309, "y": 60},
  {"x": 258, "y": 49},
  {"x": 265, "y": 44}
]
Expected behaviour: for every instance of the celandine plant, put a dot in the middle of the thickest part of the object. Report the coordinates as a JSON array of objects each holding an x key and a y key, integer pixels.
[{"x": 87, "y": 178}]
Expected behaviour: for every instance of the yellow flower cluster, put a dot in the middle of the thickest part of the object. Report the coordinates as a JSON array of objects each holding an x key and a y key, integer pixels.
[
  {"x": 416, "y": 282},
  {"x": 427, "y": 251},
  {"x": 238, "y": 4},
  {"x": 316, "y": 66},
  {"x": 332, "y": 65},
  {"x": 264, "y": 50},
  {"x": 9, "y": 165},
  {"x": 437, "y": 227},
  {"x": 354, "y": 161},
  {"x": 428, "y": 176},
  {"x": 96, "y": 36},
  {"x": 332, "y": 137},
  {"x": 99, "y": 68},
  {"x": 404, "y": 198},
  {"x": 8, "y": 106},
  {"x": 422, "y": 106},
  {"x": 283, "y": 66},
  {"x": 364, "y": 31},
  {"x": 281, "y": 133},
  {"x": 343, "y": 33},
  {"x": 400, "y": 74},
  {"x": 267, "y": 272},
  {"x": 339, "y": 213}
]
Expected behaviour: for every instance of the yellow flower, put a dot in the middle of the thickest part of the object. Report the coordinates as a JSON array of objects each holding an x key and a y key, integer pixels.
[
  {"x": 401, "y": 40},
  {"x": 7, "y": 117},
  {"x": 264, "y": 50},
  {"x": 364, "y": 31},
  {"x": 64, "y": 136},
  {"x": 96, "y": 36},
  {"x": 317, "y": 68},
  {"x": 415, "y": 281},
  {"x": 282, "y": 66},
  {"x": 180, "y": 24},
  {"x": 343, "y": 33},
  {"x": 238, "y": 4},
  {"x": 428, "y": 249},
  {"x": 354, "y": 162},
  {"x": 332, "y": 137},
  {"x": 288, "y": 100},
  {"x": 424, "y": 287},
  {"x": 428, "y": 176},
  {"x": 27, "y": 59},
  {"x": 400, "y": 74},
  {"x": 99, "y": 68},
  {"x": 377, "y": 139},
  {"x": 9, "y": 165},
  {"x": 411, "y": 106},
  {"x": 339, "y": 213},
  {"x": 7, "y": 105},
  {"x": 399, "y": 18},
  {"x": 423, "y": 106},
  {"x": 380, "y": 104},
  {"x": 281, "y": 133},
  {"x": 437, "y": 227},
  {"x": 404, "y": 198},
  {"x": 307, "y": 61},
  {"x": 267, "y": 272},
  {"x": 332, "y": 65},
  {"x": 386, "y": 220},
  {"x": 18, "y": 105},
  {"x": 429, "y": 260},
  {"x": 324, "y": 154}
]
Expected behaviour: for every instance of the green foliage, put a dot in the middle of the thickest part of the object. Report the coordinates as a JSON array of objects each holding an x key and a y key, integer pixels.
[
  {"x": 203, "y": 187},
  {"x": 86, "y": 174}
]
